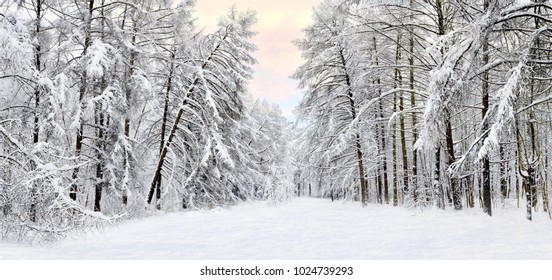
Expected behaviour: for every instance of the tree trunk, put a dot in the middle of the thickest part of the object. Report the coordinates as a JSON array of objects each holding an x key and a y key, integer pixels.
[
  {"x": 36, "y": 122},
  {"x": 394, "y": 154},
  {"x": 128, "y": 91},
  {"x": 454, "y": 182},
  {"x": 486, "y": 180},
  {"x": 406, "y": 181},
  {"x": 470, "y": 200},
  {"x": 503, "y": 173},
  {"x": 437, "y": 186},
  {"x": 397, "y": 84},
  {"x": 414, "y": 177},
  {"x": 131, "y": 62},
  {"x": 383, "y": 151},
  {"x": 358, "y": 146},
  {"x": 100, "y": 123},
  {"x": 529, "y": 191},
  {"x": 82, "y": 94}
]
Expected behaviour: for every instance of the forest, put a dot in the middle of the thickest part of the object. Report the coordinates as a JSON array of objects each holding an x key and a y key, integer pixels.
[
  {"x": 114, "y": 110},
  {"x": 110, "y": 110},
  {"x": 428, "y": 103}
]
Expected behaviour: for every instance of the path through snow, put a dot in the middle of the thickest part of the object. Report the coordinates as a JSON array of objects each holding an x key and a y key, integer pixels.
[{"x": 310, "y": 229}]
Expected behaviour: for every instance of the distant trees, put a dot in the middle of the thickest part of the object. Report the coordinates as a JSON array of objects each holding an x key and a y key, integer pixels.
[
  {"x": 106, "y": 106},
  {"x": 450, "y": 94},
  {"x": 331, "y": 105}
]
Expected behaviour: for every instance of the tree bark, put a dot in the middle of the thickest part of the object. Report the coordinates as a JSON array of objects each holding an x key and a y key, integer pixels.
[
  {"x": 454, "y": 182},
  {"x": 437, "y": 186},
  {"x": 406, "y": 182},
  {"x": 414, "y": 186},
  {"x": 486, "y": 180},
  {"x": 36, "y": 121},
  {"x": 82, "y": 93},
  {"x": 383, "y": 151}
]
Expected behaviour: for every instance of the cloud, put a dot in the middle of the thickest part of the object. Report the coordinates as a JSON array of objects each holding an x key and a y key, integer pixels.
[{"x": 279, "y": 23}]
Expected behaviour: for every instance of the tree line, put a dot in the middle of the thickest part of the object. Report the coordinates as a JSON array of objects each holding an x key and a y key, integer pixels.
[{"x": 427, "y": 103}]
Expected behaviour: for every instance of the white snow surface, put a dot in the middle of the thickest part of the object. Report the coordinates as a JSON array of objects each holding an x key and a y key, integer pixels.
[{"x": 309, "y": 229}]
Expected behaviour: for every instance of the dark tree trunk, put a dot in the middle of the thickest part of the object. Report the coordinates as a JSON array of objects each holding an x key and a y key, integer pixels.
[
  {"x": 437, "y": 186},
  {"x": 73, "y": 190},
  {"x": 454, "y": 182},
  {"x": 383, "y": 151},
  {"x": 36, "y": 121},
  {"x": 530, "y": 191},
  {"x": 470, "y": 200},
  {"x": 486, "y": 181},
  {"x": 413, "y": 105},
  {"x": 406, "y": 181},
  {"x": 503, "y": 173}
]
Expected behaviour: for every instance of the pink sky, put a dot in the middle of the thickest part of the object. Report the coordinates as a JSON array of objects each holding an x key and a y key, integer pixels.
[{"x": 279, "y": 23}]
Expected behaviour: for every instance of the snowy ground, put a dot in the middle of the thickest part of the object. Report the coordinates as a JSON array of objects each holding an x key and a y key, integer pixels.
[{"x": 310, "y": 229}]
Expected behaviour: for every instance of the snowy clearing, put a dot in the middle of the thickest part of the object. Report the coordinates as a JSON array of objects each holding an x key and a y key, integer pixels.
[{"x": 310, "y": 229}]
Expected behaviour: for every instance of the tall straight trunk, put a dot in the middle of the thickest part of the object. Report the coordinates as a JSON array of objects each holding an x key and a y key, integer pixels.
[
  {"x": 449, "y": 142},
  {"x": 532, "y": 124},
  {"x": 82, "y": 93},
  {"x": 402, "y": 129},
  {"x": 38, "y": 66},
  {"x": 383, "y": 156},
  {"x": 378, "y": 169},
  {"x": 397, "y": 85},
  {"x": 406, "y": 182},
  {"x": 402, "y": 134},
  {"x": 545, "y": 199},
  {"x": 383, "y": 151},
  {"x": 101, "y": 146},
  {"x": 411, "y": 80},
  {"x": 37, "y": 92},
  {"x": 394, "y": 154},
  {"x": 437, "y": 185},
  {"x": 99, "y": 121},
  {"x": 486, "y": 180}
]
